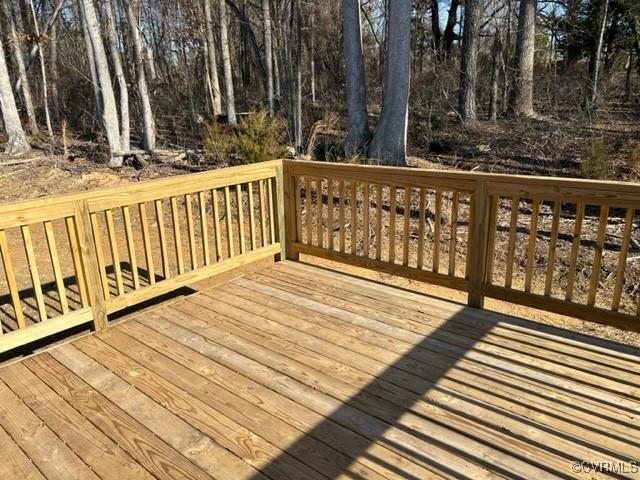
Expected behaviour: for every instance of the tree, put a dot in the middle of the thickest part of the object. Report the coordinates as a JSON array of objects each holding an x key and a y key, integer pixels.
[
  {"x": 109, "y": 111},
  {"x": 212, "y": 60},
  {"x": 16, "y": 138},
  {"x": 522, "y": 97},
  {"x": 226, "y": 64},
  {"x": 358, "y": 125},
  {"x": 449, "y": 30},
  {"x": 389, "y": 143},
  {"x": 149, "y": 127},
  {"x": 112, "y": 35},
  {"x": 18, "y": 58},
  {"x": 596, "y": 53},
  {"x": 268, "y": 53},
  {"x": 469, "y": 62}
]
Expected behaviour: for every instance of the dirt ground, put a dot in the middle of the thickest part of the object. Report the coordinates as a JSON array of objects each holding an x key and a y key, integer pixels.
[{"x": 54, "y": 175}]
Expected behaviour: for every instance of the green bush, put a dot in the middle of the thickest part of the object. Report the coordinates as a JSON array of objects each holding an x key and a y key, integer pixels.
[
  {"x": 257, "y": 138},
  {"x": 597, "y": 164},
  {"x": 218, "y": 143}
]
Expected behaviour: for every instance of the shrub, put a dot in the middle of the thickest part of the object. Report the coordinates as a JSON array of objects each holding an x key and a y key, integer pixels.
[
  {"x": 597, "y": 163},
  {"x": 258, "y": 139},
  {"x": 218, "y": 143}
]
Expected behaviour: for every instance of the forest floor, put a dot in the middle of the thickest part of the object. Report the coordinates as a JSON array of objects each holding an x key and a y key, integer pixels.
[{"x": 544, "y": 147}]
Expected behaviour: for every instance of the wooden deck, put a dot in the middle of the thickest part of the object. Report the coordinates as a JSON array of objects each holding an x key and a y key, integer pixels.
[{"x": 297, "y": 372}]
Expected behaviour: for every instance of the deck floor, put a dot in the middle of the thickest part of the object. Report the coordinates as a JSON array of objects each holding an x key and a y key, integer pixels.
[{"x": 297, "y": 372}]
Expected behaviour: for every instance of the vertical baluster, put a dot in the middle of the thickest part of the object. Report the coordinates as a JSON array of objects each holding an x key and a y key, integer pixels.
[
  {"x": 353, "y": 210},
  {"x": 455, "y": 206},
  {"x": 307, "y": 208},
  {"x": 421, "y": 228},
  {"x": 216, "y": 224},
  {"x": 551, "y": 257},
  {"x": 272, "y": 217},
  {"x": 177, "y": 238},
  {"x": 33, "y": 270},
  {"x": 115, "y": 254},
  {"x": 166, "y": 272},
  {"x": 379, "y": 188},
  {"x": 263, "y": 213},
  {"x": 95, "y": 226},
  {"x": 531, "y": 249},
  {"x": 319, "y": 213},
  {"x": 330, "y": 213},
  {"x": 11, "y": 280},
  {"x": 575, "y": 250},
  {"x": 472, "y": 214},
  {"x": 229, "y": 222},
  {"x": 252, "y": 218},
  {"x": 437, "y": 232},
  {"x": 407, "y": 224},
  {"x": 597, "y": 260},
  {"x": 622, "y": 259},
  {"x": 191, "y": 231},
  {"x": 366, "y": 204},
  {"x": 243, "y": 246},
  {"x": 511, "y": 248},
  {"x": 204, "y": 228},
  {"x": 77, "y": 262},
  {"x": 491, "y": 238},
  {"x": 341, "y": 214},
  {"x": 148, "y": 256},
  {"x": 298, "y": 194},
  {"x": 131, "y": 247},
  {"x": 392, "y": 223}
]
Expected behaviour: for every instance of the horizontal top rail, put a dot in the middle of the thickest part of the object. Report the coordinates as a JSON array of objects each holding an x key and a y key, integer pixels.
[
  {"x": 400, "y": 175},
  {"x": 57, "y": 206}
]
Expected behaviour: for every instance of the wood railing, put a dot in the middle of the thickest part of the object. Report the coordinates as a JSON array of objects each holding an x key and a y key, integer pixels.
[
  {"x": 553, "y": 244},
  {"x": 106, "y": 250},
  {"x": 490, "y": 235}
]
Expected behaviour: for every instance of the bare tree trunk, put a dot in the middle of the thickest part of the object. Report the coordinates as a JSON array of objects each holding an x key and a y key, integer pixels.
[
  {"x": 226, "y": 63},
  {"x": 91, "y": 60},
  {"x": 125, "y": 135},
  {"x": 358, "y": 124},
  {"x": 469, "y": 62},
  {"x": 435, "y": 29},
  {"x": 522, "y": 98},
  {"x": 109, "y": 109},
  {"x": 268, "y": 53},
  {"x": 148, "y": 123},
  {"x": 389, "y": 143},
  {"x": 16, "y": 48},
  {"x": 212, "y": 60},
  {"x": 627, "y": 83},
  {"x": 298, "y": 99},
  {"x": 53, "y": 67},
  {"x": 16, "y": 138},
  {"x": 594, "y": 60},
  {"x": 495, "y": 76},
  {"x": 312, "y": 55},
  {"x": 449, "y": 31},
  {"x": 43, "y": 73}
]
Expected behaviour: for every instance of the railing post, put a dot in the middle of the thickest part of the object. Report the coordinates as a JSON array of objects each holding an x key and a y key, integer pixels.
[
  {"x": 479, "y": 225},
  {"x": 285, "y": 196},
  {"x": 90, "y": 264}
]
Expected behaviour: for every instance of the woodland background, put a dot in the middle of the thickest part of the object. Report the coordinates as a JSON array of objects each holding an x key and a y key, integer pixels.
[{"x": 210, "y": 82}]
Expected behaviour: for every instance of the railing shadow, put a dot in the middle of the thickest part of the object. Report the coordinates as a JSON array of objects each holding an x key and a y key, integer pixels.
[{"x": 380, "y": 413}]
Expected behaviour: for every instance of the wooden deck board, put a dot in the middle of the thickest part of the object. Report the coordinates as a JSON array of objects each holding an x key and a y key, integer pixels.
[{"x": 296, "y": 372}]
